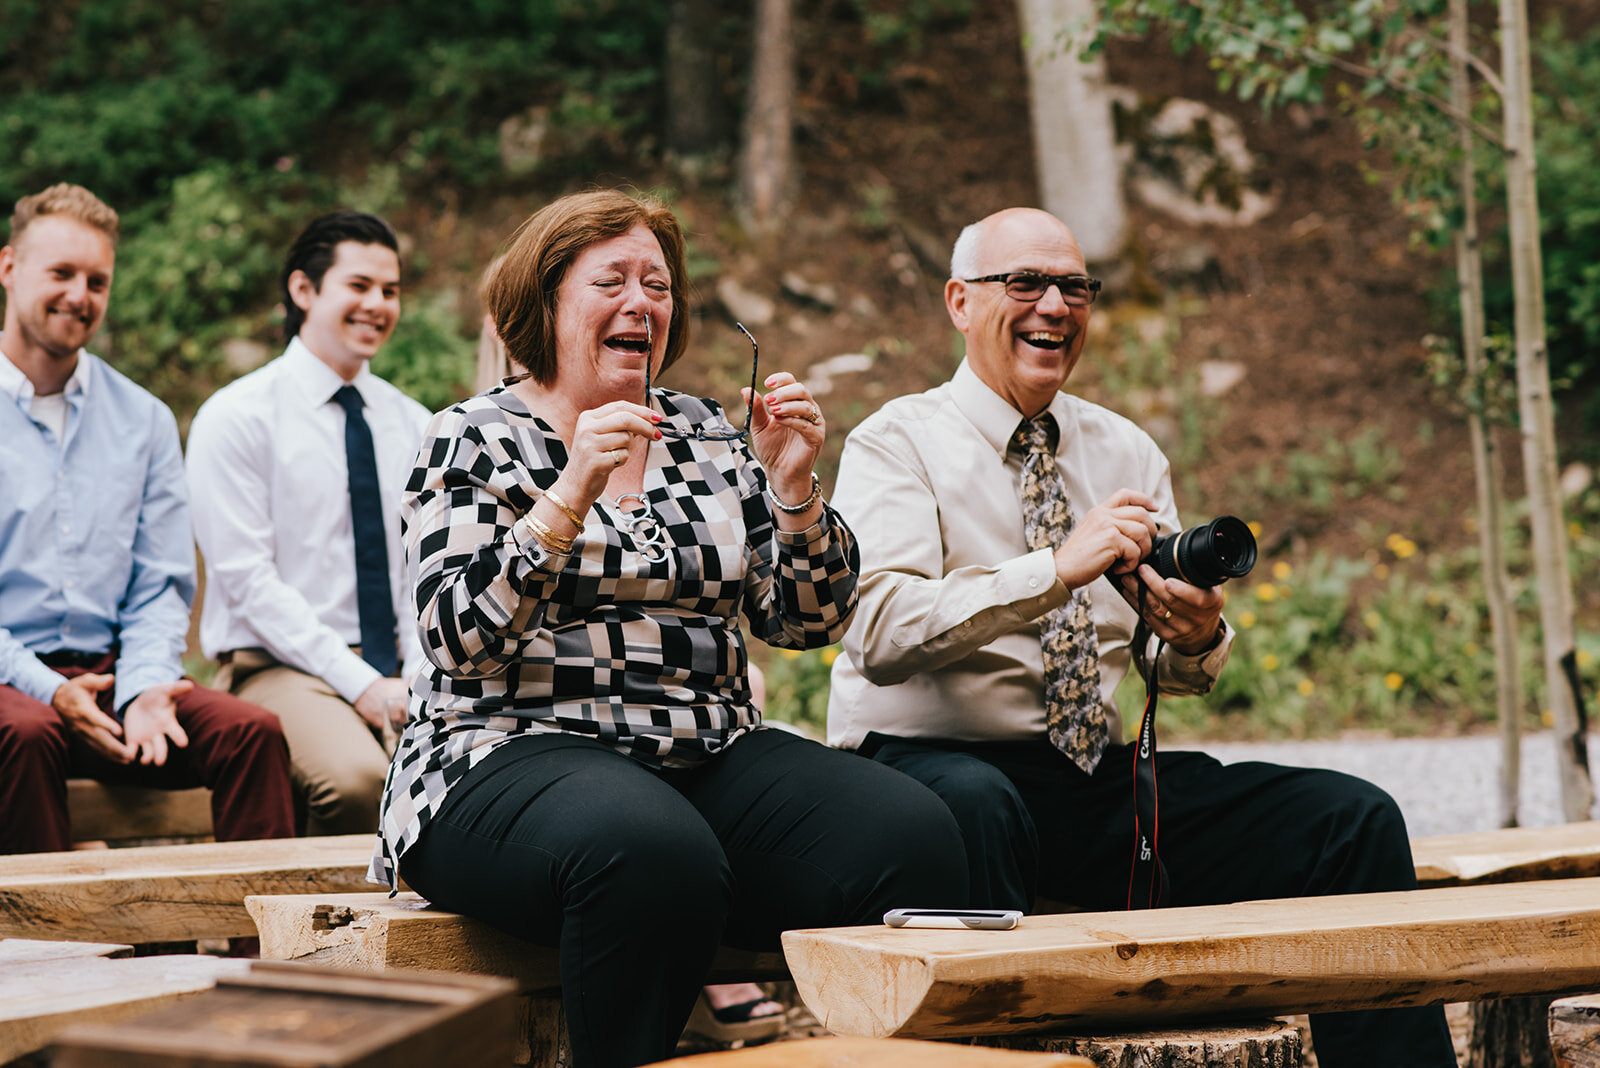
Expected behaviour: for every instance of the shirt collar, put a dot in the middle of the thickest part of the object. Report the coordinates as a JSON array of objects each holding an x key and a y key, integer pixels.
[
  {"x": 317, "y": 381},
  {"x": 994, "y": 417},
  {"x": 19, "y": 387}
]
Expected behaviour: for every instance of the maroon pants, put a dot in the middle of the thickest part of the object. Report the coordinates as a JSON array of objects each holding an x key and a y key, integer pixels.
[{"x": 235, "y": 748}]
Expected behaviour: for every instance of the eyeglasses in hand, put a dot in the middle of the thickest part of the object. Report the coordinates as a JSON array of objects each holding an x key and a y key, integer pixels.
[
  {"x": 726, "y": 432},
  {"x": 1077, "y": 290}
]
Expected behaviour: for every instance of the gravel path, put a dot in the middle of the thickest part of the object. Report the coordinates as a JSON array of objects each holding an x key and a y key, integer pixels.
[{"x": 1443, "y": 785}]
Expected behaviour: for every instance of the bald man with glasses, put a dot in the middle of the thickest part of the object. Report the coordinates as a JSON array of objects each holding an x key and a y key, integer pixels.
[{"x": 993, "y": 514}]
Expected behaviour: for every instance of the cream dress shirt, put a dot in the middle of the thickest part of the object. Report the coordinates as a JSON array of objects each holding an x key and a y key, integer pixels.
[
  {"x": 270, "y": 495},
  {"x": 945, "y": 642}
]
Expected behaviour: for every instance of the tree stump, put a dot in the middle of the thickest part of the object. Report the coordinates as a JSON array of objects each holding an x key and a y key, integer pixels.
[
  {"x": 1263, "y": 1044},
  {"x": 1510, "y": 1033},
  {"x": 1575, "y": 1031}
]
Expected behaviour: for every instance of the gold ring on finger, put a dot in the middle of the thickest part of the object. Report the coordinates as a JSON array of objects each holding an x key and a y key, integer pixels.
[
  {"x": 1167, "y": 614},
  {"x": 619, "y": 457},
  {"x": 814, "y": 415}
]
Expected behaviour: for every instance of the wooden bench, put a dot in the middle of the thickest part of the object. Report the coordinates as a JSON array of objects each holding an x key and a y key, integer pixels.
[
  {"x": 47, "y": 986},
  {"x": 168, "y": 893},
  {"x": 113, "y": 814},
  {"x": 1511, "y": 855},
  {"x": 1256, "y": 958},
  {"x": 875, "y": 1053},
  {"x": 1575, "y": 1031}
]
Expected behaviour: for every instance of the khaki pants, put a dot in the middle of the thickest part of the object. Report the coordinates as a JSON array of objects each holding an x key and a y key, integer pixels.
[{"x": 338, "y": 761}]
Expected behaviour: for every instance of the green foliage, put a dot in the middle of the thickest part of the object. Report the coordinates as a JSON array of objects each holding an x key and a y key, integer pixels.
[
  {"x": 429, "y": 357},
  {"x": 1316, "y": 482},
  {"x": 797, "y": 688}
]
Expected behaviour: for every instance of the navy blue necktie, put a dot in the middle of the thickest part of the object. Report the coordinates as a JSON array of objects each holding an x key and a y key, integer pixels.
[{"x": 374, "y": 600}]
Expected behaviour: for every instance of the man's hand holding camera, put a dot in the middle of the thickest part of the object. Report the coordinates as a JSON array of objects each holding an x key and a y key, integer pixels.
[{"x": 1116, "y": 538}]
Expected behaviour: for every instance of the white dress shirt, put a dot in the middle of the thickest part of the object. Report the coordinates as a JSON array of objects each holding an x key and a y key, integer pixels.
[
  {"x": 945, "y": 642},
  {"x": 271, "y": 503}
]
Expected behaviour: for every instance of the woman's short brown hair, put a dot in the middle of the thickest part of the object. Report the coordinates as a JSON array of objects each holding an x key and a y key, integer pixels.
[{"x": 521, "y": 291}]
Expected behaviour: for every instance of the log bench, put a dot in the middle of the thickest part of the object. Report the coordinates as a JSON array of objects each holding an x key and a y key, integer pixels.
[
  {"x": 1575, "y": 1031},
  {"x": 875, "y": 1053},
  {"x": 46, "y": 987},
  {"x": 1509, "y": 855},
  {"x": 115, "y": 814},
  {"x": 1219, "y": 962},
  {"x": 170, "y": 893}
]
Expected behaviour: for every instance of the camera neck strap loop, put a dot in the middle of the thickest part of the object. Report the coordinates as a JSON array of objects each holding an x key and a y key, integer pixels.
[{"x": 1147, "y": 878}]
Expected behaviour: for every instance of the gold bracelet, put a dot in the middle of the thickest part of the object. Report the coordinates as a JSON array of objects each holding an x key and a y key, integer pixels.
[
  {"x": 566, "y": 509},
  {"x": 549, "y": 538},
  {"x": 803, "y": 506}
]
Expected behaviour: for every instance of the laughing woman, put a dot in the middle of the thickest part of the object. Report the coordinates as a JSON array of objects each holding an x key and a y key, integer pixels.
[{"x": 583, "y": 765}]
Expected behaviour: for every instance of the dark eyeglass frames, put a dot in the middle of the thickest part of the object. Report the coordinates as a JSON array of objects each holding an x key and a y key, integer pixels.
[
  {"x": 1077, "y": 290},
  {"x": 722, "y": 433}
]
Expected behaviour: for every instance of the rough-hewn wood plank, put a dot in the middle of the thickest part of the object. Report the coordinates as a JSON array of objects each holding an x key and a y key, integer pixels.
[
  {"x": 1259, "y": 958},
  {"x": 875, "y": 1053},
  {"x": 120, "y": 813},
  {"x": 1514, "y": 854},
  {"x": 39, "y": 999},
  {"x": 375, "y": 931},
  {"x": 33, "y": 951},
  {"x": 168, "y": 893},
  {"x": 1266, "y": 1044},
  {"x": 1575, "y": 1031}
]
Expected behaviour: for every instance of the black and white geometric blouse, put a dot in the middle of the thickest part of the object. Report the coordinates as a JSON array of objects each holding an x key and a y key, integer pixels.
[{"x": 633, "y": 638}]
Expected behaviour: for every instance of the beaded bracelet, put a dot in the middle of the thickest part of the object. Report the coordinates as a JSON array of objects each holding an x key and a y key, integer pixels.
[
  {"x": 803, "y": 506},
  {"x": 566, "y": 509}
]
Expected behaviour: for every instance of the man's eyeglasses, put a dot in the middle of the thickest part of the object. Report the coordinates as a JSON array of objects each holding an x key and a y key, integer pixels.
[
  {"x": 726, "y": 431},
  {"x": 1077, "y": 290}
]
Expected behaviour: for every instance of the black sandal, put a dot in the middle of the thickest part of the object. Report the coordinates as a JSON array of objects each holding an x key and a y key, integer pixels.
[{"x": 733, "y": 1023}]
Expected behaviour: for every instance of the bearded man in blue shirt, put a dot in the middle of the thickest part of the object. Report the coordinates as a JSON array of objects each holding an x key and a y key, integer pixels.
[{"x": 97, "y": 565}]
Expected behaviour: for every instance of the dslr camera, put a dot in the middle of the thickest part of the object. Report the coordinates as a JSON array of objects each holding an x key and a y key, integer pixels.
[{"x": 1205, "y": 555}]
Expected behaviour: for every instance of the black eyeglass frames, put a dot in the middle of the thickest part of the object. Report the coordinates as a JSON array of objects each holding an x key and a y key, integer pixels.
[
  {"x": 726, "y": 432},
  {"x": 1077, "y": 290}
]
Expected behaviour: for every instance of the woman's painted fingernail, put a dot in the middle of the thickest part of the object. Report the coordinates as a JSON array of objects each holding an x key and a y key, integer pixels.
[{"x": 658, "y": 435}]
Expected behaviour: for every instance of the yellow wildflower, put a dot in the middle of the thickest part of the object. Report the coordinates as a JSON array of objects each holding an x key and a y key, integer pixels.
[
  {"x": 789, "y": 654},
  {"x": 1269, "y": 662},
  {"x": 1575, "y": 530},
  {"x": 1266, "y": 593},
  {"x": 1470, "y": 649},
  {"x": 1585, "y": 658},
  {"x": 1381, "y": 571},
  {"x": 1403, "y": 548},
  {"x": 1255, "y": 528},
  {"x": 1394, "y": 680},
  {"x": 1434, "y": 598},
  {"x": 1306, "y": 687},
  {"x": 1281, "y": 570},
  {"x": 1372, "y": 619},
  {"x": 1248, "y": 620},
  {"x": 830, "y": 654}
]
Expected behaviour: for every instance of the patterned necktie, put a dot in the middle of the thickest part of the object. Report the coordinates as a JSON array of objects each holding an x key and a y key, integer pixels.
[
  {"x": 1074, "y": 718},
  {"x": 374, "y": 602}
]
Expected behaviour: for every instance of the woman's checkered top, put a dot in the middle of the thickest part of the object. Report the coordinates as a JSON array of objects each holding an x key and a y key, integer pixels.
[{"x": 635, "y": 645}]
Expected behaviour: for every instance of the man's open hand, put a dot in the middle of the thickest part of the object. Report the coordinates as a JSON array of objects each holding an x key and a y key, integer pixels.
[{"x": 151, "y": 722}]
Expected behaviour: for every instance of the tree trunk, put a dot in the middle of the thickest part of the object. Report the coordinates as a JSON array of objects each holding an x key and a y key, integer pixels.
[
  {"x": 766, "y": 164},
  {"x": 1074, "y": 134},
  {"x": 1513, "y": 1033},
  {"x": 1538, "y": 422},
  {"x": 696, "y": 121},
  {"x": 1485, "y": 461}
]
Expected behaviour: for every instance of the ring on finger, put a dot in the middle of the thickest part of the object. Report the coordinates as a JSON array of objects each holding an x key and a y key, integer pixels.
[
  {"x": 1167, "y": 614},
  {"x": 813, "y": 414},
  {"x": 619, "y": 457}
]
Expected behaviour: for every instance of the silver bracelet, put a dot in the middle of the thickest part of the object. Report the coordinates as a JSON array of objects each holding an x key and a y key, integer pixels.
[{"x": 803, "y": 506}]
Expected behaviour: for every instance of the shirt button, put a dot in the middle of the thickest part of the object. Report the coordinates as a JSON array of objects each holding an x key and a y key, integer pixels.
[
  {"x": 66, "y": 530},
  {"x": 1033, "y": 584}
]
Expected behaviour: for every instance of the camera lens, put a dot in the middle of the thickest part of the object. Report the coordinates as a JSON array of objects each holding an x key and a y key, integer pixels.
[{"x": 1206, "y": 555}]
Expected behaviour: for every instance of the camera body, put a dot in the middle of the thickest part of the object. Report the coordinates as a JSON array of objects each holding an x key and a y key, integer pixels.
[{"x": 1205, "y": 555}]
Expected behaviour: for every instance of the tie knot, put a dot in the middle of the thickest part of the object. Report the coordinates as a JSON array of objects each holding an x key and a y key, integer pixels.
[
  {"x": 1037, "y": 434},
  {"x": 349, "y": 398}
]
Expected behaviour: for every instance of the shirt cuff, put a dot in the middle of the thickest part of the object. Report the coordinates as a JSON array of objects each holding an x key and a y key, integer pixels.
[
  {"x": 1196, "y": 673},
  {"x": 36, "y": 680},
  {"x": 1032, "y": 585},
  {"x": 351, "y": 676}
]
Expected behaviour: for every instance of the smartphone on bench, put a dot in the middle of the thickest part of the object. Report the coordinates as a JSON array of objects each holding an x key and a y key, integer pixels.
[{"x": 959, "y": 919}]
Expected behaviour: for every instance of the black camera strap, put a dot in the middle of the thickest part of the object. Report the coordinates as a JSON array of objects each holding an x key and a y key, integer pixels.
[{"x": 1147, "y": 879}]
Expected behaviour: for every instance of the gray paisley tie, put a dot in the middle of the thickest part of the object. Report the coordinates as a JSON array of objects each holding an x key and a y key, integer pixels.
[{"x": 1074, "y": 718}]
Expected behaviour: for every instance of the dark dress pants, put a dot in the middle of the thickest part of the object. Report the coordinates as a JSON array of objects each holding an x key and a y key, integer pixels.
[
  {"x": 235, "y": 748},
  {"x": 638, "y": 875},
  {"x": 1034, "y": 823}
]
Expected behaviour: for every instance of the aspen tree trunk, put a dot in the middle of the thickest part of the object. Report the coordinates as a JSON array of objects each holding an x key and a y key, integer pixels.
[
  {"x": 766, "y": 162},
  {"x": 1485, "y": 458},
  {"x": 1538, "y": 430},
  {"x": 1074, "y": 134}
]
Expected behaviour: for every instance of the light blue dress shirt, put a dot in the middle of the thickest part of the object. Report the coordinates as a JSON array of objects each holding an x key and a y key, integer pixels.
[{"x": 95, "y": 545}]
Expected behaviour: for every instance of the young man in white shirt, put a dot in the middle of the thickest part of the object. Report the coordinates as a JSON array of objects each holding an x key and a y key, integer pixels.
[{"x": 295, "y": 471}]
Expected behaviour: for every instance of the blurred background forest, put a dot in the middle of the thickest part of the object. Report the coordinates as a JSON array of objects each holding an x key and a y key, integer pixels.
[{"x": 1295, "y": 359}]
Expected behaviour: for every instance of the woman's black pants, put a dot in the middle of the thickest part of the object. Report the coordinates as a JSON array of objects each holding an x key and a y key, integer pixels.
[{"x": 638, "y": 875}]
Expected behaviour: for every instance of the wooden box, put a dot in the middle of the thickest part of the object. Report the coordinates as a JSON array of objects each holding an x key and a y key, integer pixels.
[{"x": 283, "y": 1014}]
